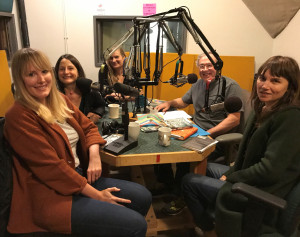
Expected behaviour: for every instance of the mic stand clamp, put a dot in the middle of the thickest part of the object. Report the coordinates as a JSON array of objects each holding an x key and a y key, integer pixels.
[{"x": 125, "y": 143}]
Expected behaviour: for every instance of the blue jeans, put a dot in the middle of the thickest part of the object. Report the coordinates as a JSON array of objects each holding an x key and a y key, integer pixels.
[
  {"x": 97, "y": 218},
  {"x": 200, "y": 194}
]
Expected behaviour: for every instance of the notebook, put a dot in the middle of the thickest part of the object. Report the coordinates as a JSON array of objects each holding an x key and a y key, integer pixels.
[{"x": 199, "y": 143}]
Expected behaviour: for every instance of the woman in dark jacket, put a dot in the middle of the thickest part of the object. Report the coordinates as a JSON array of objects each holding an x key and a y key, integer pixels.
[
  {"x": 67, "y": 71},
  {"x": 268, "y": 156}
]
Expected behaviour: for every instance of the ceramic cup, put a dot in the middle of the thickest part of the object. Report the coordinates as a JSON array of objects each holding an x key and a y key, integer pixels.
[
  {"x": 113, "y": 111},
  {"x": 153, "y": 111},
  {"x": 133, "y": 130},
  {"x": 164, "y": 136}
]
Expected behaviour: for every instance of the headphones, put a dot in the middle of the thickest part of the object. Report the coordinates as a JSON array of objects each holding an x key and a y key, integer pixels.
[{"x": 112, "y": 127}]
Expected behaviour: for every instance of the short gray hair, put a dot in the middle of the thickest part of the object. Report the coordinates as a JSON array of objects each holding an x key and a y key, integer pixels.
[{"x": 201, "y": 56}]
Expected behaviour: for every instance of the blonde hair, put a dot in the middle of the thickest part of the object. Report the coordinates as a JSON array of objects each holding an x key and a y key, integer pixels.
[
  {"x": 56, "y": 108},
  {"x": 112, "y": 79}
]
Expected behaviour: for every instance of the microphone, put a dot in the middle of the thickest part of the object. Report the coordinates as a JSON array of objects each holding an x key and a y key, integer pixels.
[
  {"x": 102, "y": 76},
  {"x": 95, "y": 86},
  {"x": 84, "y": 85},
  {"x": 232, "y": 105},
  {"x": 126, "y": 90},
  {"x": 190, "y": 78},
  {"x": 102, "y": 84}
]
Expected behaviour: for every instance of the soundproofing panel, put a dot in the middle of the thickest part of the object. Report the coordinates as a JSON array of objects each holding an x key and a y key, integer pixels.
[{"x": 274, "y": 15}]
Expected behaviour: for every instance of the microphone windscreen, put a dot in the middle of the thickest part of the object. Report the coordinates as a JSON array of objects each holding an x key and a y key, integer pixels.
[
  {"x": 84, "y": 85},
  {"x": 126, "y": 90},
  {"x": 111, "y": 99},
  {"x": 233, "y": 104},
  {"x": 192, "y": 78}
]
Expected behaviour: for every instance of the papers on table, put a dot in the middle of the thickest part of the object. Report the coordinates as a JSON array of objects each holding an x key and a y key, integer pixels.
[{"x": 174, "y": 114}]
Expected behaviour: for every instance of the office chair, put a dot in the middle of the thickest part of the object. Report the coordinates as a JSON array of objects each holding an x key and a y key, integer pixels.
[
  {"x": 259, "y": 201},
  {"x": 230, "y": 141}
]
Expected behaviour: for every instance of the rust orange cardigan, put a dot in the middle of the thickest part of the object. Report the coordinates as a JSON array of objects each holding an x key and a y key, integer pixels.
[{"x": 44, "y": 178}]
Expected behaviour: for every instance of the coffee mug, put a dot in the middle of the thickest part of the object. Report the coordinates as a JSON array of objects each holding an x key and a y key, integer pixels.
[
  {"x": 164, "y": 136},
  {"x": 133, "y": 130},
  {"x": 113, "y": 111},
  {"x": 153, "y": 111}
]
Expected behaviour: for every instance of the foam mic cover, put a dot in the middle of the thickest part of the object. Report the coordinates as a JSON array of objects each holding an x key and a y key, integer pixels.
[
  {"x": 233, "y": 104},
  {"x": 84, "y": 85},
  {"x": 192, "y": 78},
  {"x": 126, "y": 90},
  {"x": 111, "y": 99}
]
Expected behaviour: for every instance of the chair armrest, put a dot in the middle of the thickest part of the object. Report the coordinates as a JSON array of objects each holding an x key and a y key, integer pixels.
[
  {"x": 259, "y": 195},
  {"x": 230, "y": 138}
]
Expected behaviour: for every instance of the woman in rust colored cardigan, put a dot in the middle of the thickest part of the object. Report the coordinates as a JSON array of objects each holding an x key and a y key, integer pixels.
[{"x": 57, "y": 183}]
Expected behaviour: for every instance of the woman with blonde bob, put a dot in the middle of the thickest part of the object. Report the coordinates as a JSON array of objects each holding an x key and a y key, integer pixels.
[{"x": 57, "y": 182}]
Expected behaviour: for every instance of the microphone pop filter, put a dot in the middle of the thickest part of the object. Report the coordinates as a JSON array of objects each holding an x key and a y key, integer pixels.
[
  {"x": 126, "y": 90},
  {"x": 233, "y": 104},
  {"x": 84, "y": 85},
  {"x": 192, "y": 78}
]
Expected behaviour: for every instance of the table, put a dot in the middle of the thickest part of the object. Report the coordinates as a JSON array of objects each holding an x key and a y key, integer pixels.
[{"x": 149, "y": 152}]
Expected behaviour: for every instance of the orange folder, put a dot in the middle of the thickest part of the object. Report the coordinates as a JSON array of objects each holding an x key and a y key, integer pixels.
[{"x": 183, "y": 134}]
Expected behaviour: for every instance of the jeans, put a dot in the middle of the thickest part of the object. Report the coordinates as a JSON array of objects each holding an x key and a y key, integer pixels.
[
  {"x": 165, "y": 175},
  {"x": 200, "y": 194},
  {"x": 98, "y": 218}
]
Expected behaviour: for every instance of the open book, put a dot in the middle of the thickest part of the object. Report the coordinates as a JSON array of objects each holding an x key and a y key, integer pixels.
[{"x": 199, "y": 143}]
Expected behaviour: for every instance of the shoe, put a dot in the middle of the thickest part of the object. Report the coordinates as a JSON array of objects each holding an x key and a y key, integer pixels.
[{"x": 174, "y": 207}]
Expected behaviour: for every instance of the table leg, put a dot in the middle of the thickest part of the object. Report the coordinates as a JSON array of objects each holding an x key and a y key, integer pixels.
[
  {"x": 137, "y": 176},
  {"x": 184, "y": 220},
  {"x": 199, "y": 167}
]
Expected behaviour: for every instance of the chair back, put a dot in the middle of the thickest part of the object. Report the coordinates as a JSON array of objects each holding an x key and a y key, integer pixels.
[
  {"x": 289, "y": 218},
  {"x": 247, "y": 109},
  {"x": 230, "y": 140},
  {"x": 5, "y": 180}
]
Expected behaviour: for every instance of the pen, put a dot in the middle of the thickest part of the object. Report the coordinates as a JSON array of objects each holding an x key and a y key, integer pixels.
[{"x": 176, "y": 136}]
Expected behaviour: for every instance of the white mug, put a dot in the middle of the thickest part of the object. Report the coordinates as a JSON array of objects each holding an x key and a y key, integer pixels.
[
  {"x": 153, "y": 111},
  {"x": 133, "y": 130},
  {"x": 113, "y": 111},
  {"x": 164, "y": 136}
]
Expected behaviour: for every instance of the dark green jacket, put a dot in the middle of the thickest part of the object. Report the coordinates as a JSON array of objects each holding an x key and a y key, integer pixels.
[{"x": 268, "y": 158}]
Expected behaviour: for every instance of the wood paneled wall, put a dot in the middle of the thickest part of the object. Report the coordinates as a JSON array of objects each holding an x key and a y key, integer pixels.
[{"x": 239, "y": 68}]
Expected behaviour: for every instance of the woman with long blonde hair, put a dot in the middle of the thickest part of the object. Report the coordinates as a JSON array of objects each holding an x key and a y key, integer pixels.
[{"x": 57, "y": 182}]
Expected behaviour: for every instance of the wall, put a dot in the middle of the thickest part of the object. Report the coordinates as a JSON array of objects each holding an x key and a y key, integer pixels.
[
  {"x": 287, "y": 43},
  {"x": 60, "y": 26}
]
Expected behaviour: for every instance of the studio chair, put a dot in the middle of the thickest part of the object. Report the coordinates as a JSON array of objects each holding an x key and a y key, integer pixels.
[
  {"x": 260, "y": 201},
  {"x": 6, "y": 190},
  {"x": 230, "y": 141}
]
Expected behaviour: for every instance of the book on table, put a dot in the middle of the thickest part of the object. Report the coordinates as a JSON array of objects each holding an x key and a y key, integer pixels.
[
  {"x": 199, "y": 143},
  {"x": 178, "y": 123}
]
